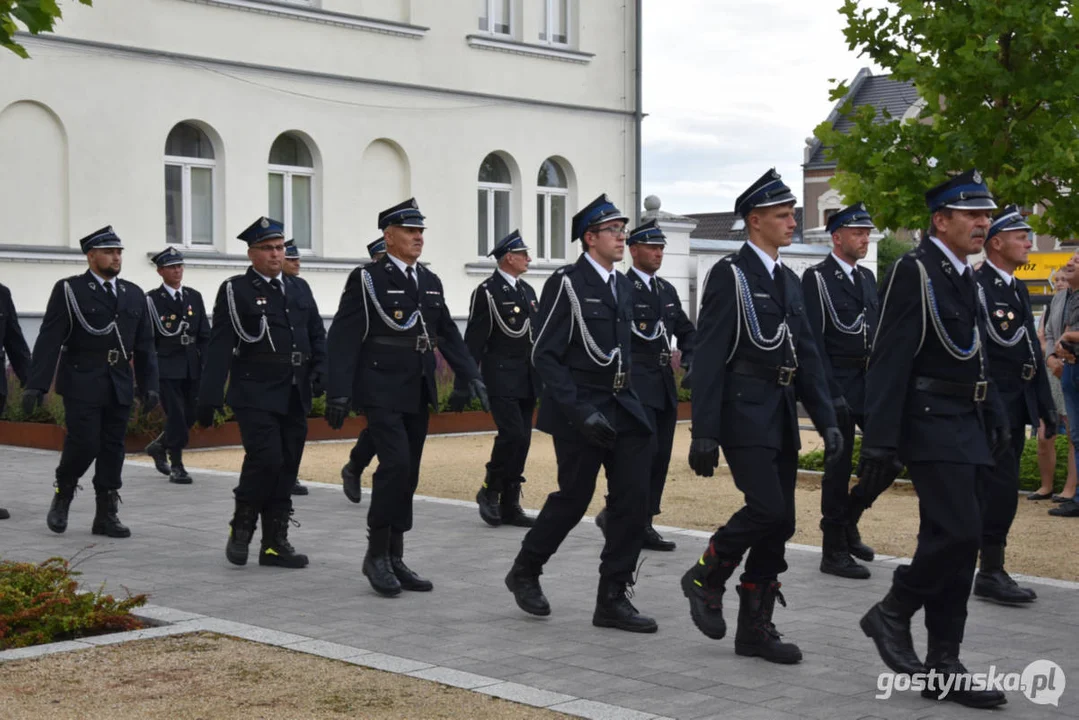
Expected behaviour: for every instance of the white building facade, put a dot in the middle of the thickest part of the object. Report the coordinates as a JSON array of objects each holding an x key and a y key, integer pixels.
[{"x": 182, "y": 121}]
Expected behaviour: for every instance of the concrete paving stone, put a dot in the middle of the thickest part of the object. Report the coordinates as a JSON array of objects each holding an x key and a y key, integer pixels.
[
  {"x": 599, "y": 711},
  {"x": 42, "y": 650},
  {"x": 187, "y": 626},
  {"x": 455, "y": 678},
  {"x": 389, "y": 663},
  {"x": 322, "y": 648},
  {"x": 524, "y": 694}
]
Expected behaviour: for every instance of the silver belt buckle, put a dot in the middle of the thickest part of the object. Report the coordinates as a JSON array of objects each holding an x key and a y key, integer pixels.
[
  {"x": 186, "y": 339},
  {"x": 1028, "y": 371},
  {"x": 423, "y": 343},
  {"x": 786, "y": 376},
  {"x": 619, "y": 381},
  {"x": 664, "y": 359},
  {"x": 296, "y": 358},
  {"x": 113, "y": 357},
  {"x": 981, "y": 388}
]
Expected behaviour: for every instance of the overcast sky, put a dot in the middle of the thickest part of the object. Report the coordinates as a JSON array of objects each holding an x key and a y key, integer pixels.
[{"x": 732, "y": 89}]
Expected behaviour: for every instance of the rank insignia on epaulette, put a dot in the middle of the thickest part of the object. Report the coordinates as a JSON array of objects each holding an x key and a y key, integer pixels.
[{"x": 398, "y": 314}]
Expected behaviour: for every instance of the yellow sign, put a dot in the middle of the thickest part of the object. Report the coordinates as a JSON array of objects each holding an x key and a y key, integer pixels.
[{"x": 1039, "y": 266}]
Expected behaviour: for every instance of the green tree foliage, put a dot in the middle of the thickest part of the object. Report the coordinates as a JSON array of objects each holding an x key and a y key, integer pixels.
[
  {"x": 1000, "y": 85},
  {"x": 889, "y": 249},
  {"x": 37, "y": 16}
]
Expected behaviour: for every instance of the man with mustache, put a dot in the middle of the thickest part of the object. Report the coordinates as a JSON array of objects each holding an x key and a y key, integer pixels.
[{"x": 931, "y": 406}]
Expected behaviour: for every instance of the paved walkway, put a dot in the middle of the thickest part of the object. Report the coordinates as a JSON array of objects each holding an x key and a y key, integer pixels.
[{"x": 470, "y": 623}]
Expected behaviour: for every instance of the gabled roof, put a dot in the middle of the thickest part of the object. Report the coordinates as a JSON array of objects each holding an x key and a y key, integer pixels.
[
  {"x": 879, "y": 91},
  {"x": 720, "y": 226}
]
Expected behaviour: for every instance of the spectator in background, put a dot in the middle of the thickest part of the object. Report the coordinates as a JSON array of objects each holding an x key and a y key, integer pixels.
[
  {"x": 1047, "y": 452},
  {"x": 1063, "y": 338}
]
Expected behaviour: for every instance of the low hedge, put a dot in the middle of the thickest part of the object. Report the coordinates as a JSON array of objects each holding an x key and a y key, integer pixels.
[{"x": 1029, "y": 475}]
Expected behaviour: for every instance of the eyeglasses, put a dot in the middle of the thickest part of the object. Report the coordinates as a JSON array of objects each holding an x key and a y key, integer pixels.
[
  {"x": 270, "y": 248},
  {"x": 617, "y": 231}
]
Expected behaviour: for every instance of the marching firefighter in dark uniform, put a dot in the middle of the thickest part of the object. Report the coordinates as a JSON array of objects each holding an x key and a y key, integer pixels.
[
  {"x": 755, "y": 357},
  {"x": 930, "y": 405},
  {"x": 268, "y": 342},
  {"x": 843, "y": 309},
  {"x": 1018, "y": 370},
  {"x": 583, "y": 356},
  {"x": 181, "y": 333},
  {"x": 503, "y": 315},
  {"x": 363, "y": 452},
  {"x": 657, "y": 316},
  {"x": 95, "y": 325},
  {"x": 392, "y": 316},
  {"x": 13, "y": 346}
]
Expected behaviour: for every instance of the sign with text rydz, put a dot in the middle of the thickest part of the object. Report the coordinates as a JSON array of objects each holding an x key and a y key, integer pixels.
[{"x": 1039, "y": 266}]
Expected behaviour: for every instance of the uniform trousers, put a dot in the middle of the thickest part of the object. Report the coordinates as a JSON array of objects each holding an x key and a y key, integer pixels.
[
  {"x": 1001, "y": 497},
  {"x": 398, "y": 439},
  {"x": 95, "y": 434},
  {"x": 273, "y": 443},
  {"x": 949, "y": 534},
  {"x": 178, "y": 401},
  {"x": 513, "y": 418},
  {"x": 836, "y": 495},
  {"x": 664, "y": 422},
  {"x": 627, "y": 466},
  {"x": 362, "y": 453}
]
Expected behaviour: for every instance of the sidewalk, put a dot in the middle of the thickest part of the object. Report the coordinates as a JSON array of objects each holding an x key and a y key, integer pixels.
[{"x": 471, "y": 624}]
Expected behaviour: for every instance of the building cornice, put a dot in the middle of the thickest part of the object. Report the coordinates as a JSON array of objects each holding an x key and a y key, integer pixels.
[
  {"x": 318, "y": 15},
  {"x": 549, "y": 52}
]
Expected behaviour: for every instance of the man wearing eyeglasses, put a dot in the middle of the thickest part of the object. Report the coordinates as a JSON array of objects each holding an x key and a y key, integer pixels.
[
  {"x": 583, "y": 356},
  {"x": 269, "y": 343}
]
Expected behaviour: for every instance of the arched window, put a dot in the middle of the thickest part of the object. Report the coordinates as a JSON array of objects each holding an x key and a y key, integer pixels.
[
  {"x": 292, "y": 175},
  {"x": 495, "y": 187},
  {"x": 189, "y": 187},
  {"x": 552, "y": 212}
]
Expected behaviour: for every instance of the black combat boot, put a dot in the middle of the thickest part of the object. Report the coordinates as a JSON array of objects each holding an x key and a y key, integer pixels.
[
  {"x": 888, "y": 624},
  {"x": 943, "y": 656},
  {"x": 350, "y": 483},
  {"x": 523, "y": 581},
  {"x": 855, "y": 546},
  {"x": 614, "y": 610},
  {"x": 510, "y": 507},
  {"x": 178, "y": 474},
  {"x": 408, "y": 579},
  {"x": 993, "y": 583},
  {"x": 488, "y": 500},
  {"x": 276, "y": 549},
  {"x": 601, "y": 520},
  {"x": 106, "y": 521},
  {"x": 757, "y": 635},
  {"x": 654, "y": 541},
  {"x": 4, "y": 514},
  {"x": 156, "y": 450},
  {"x": 703, "y": 584},
  {"x": 835, "y": 558},
  {"x": 376, "y": 563},
  {"x": 244, "y": 520},
  {"x": 61, "y": 503},
  {"x": 298, "y": 488}
]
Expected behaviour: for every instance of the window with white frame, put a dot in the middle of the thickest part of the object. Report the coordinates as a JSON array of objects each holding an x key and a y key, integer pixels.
[
  {"x": 495, "y": 16},
  {"x": 495, "y": 189},
  {"x": 189, "y": 187},
  {"x": 555, "y": 22},
  {"x": 292, "y": 175},
  {"x": 552, "y": 212}
]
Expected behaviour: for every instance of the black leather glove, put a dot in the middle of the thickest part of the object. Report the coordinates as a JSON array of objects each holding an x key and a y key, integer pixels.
[
  {"x": 151, "y": 400},
  {"x": 204, "y": 414},
  {"x": 842, "y": 411},
  {"x": 336, "y": 412},
  {"x": 877, "y": 469},
  {"x": 598, "y": 430},
  {"x": 687, "y": 379},
  {"x": 1000, "y": 439},
  {"x": 458, "y": 399},
  {"x": 317, "y": 389},
  {"x": 704, "y": 456},
  {"x": 833, "y": 445},
  {"x": 31, "y": 399},
  {"x": 478, "y": 390}
]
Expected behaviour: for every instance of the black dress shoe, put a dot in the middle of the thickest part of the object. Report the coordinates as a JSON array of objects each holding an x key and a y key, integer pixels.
[
  {"x": 350, "y": 483},
  {"x": 841, "y": 564},
  {"x": 888, "y": 624},
  {"x": 1066, "y": 509},
  {"x": 4, "y": 514},
  {"x": 179, "y": 475},
  {"x": 160, "y": 456},
  {"x": 298, "y": 488},
  {"x": 654, "y": 541},
  {"x": 999, "y": 587},
  {"x": 408, "y": 579},
  {"x": 525, "y": 586},
  {"x": 614, "y": 610},
  {"x": 1040, "y": 496}
]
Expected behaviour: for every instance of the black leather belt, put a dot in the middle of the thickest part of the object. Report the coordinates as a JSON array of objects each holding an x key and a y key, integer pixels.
[
  {"x": 860, "y": 362},
  {"x": 602, "y": 380},
  {"x": 295, "y": 359},
  {"x": 779, "y": 375},
  {"x": 652, "y": 360},
  {"x": 975, "y": 391},
  {"x": 97, "y": 357},
  {"x": 419, "y": 343}
]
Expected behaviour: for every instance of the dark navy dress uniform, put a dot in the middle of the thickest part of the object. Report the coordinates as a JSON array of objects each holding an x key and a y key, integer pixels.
[
  {"x": 267, "y": 343},
  {"x": 181, "y": 334},
  {"x": 755, "y": 357},
  {"x": 381, "y": 343},
  {"x": 98, "y": 341},
  {"x": 13, "y": 348},
  {"x": 583, "y": 354},
  {"x": 930, "y": 405},
  {"x": 502, "y": 319},
  {"x": 843, "y": 312},
  {"x": 1017, "y": 368}
]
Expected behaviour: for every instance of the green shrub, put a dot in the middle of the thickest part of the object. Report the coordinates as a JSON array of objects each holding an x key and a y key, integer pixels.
[
  {"x": 1029, "y": 476},
  {"x": 42, "y": 604}
]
